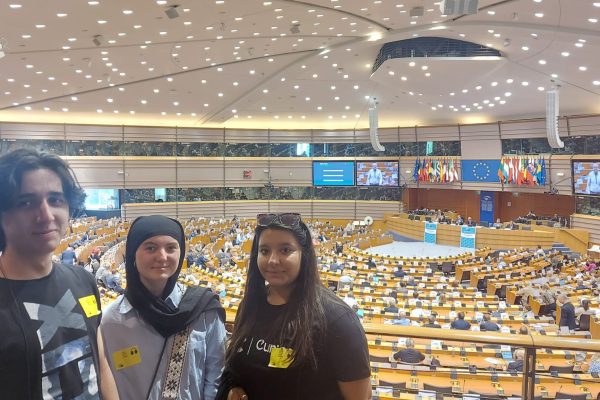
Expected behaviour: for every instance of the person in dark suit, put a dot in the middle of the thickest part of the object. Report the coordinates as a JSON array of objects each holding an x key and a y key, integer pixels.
[
  {"x": 517, "y": 364},
  {"x": 409, "y": 355},
  {"x": 470, "y": 222},
  {"x": 460, "y": 323},
  {"x": 487, "y": 324},
  {"x": 399, "y": 272},
  {"x": 567, "y": 313}
]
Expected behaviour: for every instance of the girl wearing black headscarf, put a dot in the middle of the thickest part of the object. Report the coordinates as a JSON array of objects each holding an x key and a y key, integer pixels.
[{"x": 163, "y": 340}]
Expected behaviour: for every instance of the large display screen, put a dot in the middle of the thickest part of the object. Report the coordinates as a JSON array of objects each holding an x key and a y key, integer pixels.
[
  {"x": 586, "y": 177},
  {"x": 102, "y": 199},
  {"x": 377, "y": 173},
  {"x": 333, "y": 173}
]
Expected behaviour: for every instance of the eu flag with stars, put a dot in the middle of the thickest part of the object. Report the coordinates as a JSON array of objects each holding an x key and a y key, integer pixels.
[{"x": 480, "y": 170}]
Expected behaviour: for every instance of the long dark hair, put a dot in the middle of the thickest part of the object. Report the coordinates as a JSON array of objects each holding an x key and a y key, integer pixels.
[{"x": 303, "y": 322}]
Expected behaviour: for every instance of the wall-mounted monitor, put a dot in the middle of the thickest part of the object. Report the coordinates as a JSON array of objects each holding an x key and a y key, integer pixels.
[
  {"x": 377, "y": 173},
  {"x": 333, "y": 173},
  {"x": 586, "y": 177},
  {"x": 101, "y": 199}
]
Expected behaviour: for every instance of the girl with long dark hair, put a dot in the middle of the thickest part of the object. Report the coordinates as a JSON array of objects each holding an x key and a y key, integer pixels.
[{"x": 292, "y": 338}]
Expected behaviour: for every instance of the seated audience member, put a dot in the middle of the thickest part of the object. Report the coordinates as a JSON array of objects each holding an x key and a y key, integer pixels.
[
  {"x": 371, "y": 264},
  {"x": 460, "y": 323},
  {"x": 498, "y": 224},
  {"x": 567, "y": 313},
  {"x": 523, "y": 330},
  {"x": 431, "y": 323},
  {"x": 530, "y": 215},
  {"x": 487, "y": 324},
  {"x": 335, "y": 266},
  {"x": 459, "y": 220},
  {"x": 580, "y": 285},
  {"x": 584, "y": 309},
  {"x": 68, "y": 257},
  {"x": 539, "y": 251},
  {"x": 547, "y": 296},
  {"x": 418, "y": 311},
  {"x": 112, "y": 281},
  {"x": 411, "y": 282},
  {"x": 402, "y": 320},
  {"x": 501, "y": 263},
  {"x": 590, "y": 266},
  {"x": 409, "y": 355},
  {"x": 594, "y": 364},
  {"x": 399, "y": 272},
  {"x": 498, "y": 313},
  {"x": 391, "y": 307},
  {"x": 402, "y": 289},
  {"x": 512, "y": 225},
  {"x": 470, "y": 222},
  {"x": 517, "y": 364}
]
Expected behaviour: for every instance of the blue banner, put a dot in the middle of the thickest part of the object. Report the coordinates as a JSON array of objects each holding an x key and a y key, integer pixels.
[
  {"x": 430, "y": 232},
  {"x": 467, "y": 237},
  {"x": 480, "y": 170},
  {"x": 486, "y": 208}
]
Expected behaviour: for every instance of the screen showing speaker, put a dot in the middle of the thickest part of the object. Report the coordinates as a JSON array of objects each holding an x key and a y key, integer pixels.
[
  {"x": 586, "y": 177},
  {"x": 377, "y": 173},
  {"x": 333, "y": 173},
  {"x": 101, "y": 199}
]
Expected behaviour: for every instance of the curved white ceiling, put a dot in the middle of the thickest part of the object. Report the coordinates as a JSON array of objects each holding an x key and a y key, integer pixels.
[{"x": 237, "y": 63}]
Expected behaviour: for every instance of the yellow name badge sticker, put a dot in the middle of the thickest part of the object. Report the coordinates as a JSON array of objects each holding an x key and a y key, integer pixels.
[
  {"x": 89, "y": 305},
  {"x": 127, "y": 357},
  {"x": 281, "y": 357}
]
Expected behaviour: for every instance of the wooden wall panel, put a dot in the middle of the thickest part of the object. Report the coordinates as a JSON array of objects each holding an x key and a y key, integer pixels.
[
  {"x": 465, "y": 202},
  {"x": 584, "y": 126},
  {"x": 150, "y": 173},
  {"x": 32, "y": 131},
  {"x": 540, "y": 204},
  {"x": 437, "y": 133},
  {"x": 291, "y": 171},
  {"x": 94, "y": 132},
  {"x": 333, "y": 136},
  {"x": 534, "y": 128},
  {"x": 98, "y": 172},
  {"x": 322, "y": 209},
  {"x": 589, "y": 223},
  {"x": 189, "y": 135},
  {"x": 196, "y": 172},
  {"x": 149, "y": 134}
]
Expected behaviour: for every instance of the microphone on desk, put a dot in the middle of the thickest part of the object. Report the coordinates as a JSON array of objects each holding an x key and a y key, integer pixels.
[{"x": 464, "y": 385}]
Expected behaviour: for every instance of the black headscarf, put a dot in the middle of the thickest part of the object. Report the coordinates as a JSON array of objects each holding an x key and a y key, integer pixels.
[{"x": 166, "y": 319}]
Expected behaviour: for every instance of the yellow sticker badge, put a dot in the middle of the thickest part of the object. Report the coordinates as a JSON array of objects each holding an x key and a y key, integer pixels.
[
  {"x": 127, "y": 357},
  {"x": 281, "y": 357},
  {"x": 89, "y": 305}
]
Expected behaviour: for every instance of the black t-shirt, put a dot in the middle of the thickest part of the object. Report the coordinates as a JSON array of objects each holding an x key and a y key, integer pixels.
[
  {"x": 56, "y": 317},
  {"x": 264, "y": 371}
]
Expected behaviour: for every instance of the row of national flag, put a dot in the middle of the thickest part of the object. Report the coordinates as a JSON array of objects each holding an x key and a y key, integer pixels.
[
  {"x": 522, "y": 171},
  {"x": 436, "y": 171}
]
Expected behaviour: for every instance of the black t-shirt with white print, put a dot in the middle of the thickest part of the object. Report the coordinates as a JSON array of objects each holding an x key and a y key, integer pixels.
[
  {"x": 263, "y": 366},
  {"x": 56, "y": 317}
]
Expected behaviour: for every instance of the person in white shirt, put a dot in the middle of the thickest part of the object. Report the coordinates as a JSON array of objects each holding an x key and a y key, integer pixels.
[
  {"x": 418, "y": 311},
  {"x": 593, "y": 180},
  {"x": 374, "y": 176}
]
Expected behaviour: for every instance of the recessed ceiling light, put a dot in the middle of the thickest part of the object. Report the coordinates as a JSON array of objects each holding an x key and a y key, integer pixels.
[
  {"x": 101, "y": 22},
  {"x": 596, "y": 83},
  {"x": 40, "y": 26},
  {"x": 525, "y": 83},
  {"x": 565, "y": 54},
  {"x": 539, "y": 14},
  {"x": 15, "y": 6},
  {"x": 524, "y": 48},
  {"x": 583, "y": 68},
  {"x": 593, "y": 20},
  {"x": 127, "y": 12},
  {"x": 542, "y": 62},
  {"x": 93, "y": 3},
  {"x": 61, "y": 15}
]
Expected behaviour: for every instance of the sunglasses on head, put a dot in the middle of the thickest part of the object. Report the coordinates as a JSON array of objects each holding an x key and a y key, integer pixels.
[{"x": 284, "y": 219}]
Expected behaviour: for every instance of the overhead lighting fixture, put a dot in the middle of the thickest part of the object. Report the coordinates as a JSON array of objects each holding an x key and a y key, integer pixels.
[{"x": 172, "y": 12}]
